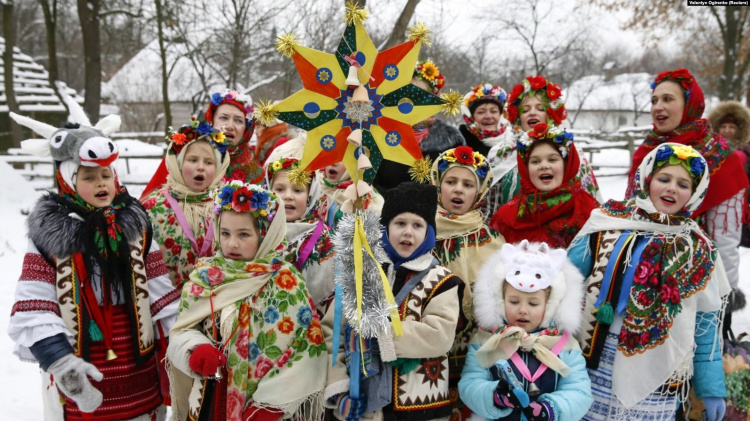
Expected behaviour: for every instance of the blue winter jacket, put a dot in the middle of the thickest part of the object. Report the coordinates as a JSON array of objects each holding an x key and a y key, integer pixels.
[{"x": 570, "y": 400}]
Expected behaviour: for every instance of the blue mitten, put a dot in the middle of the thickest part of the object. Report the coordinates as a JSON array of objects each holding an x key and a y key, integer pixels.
[
  {"x": 351, "y": 409},
  {"x": 507, "y": 397},
  {"x": 715, "y": 408}
]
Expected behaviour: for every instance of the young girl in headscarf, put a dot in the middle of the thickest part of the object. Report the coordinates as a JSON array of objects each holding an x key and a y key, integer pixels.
[
  {"x": 247, "y": 343},
  {"x": 182, "y": 211},
  {"x": 677, "y": 105},
  {"x": 309, "y": 246},
  {"x": 535, "y": 100},
  {"x": 232, "y": 113},
  {"x": 654, "y": 294},
  {"x": 464, "y": 242},
  {"x": 551, "y": 205}
]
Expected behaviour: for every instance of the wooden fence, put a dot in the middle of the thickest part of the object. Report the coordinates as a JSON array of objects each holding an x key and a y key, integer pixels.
[{"x": 589, "y": 142}]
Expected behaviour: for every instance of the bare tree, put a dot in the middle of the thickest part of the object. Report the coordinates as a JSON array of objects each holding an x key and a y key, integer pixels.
[
  {"x": 163, "y": 56},
  {"x": 88, "y": 13},
  {"x": 49, "y": 9},
  {"x": 730, "y": 25},
  {"x": 399, "y": 29},
  {"x": 527, "y": 22},
  {"x": 9, "y": 33}
]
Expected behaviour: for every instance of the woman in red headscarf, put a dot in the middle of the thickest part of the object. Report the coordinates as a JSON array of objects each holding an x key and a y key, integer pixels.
[
  {"x": 232, "y": 113},
  {"x": 677, "y": 106},
  {"x": 551, "y": 206}
]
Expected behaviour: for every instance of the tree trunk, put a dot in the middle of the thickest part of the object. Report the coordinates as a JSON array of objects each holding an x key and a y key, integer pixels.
[
  {"x": 88, "y": 13},
  {"x": 50, "y": 25},
  {"x": 9, "y": 32},
  {"x": 729, "y": 33},
  {"x": 164, "y": 74},
  {"x": 397, "y": 35}
]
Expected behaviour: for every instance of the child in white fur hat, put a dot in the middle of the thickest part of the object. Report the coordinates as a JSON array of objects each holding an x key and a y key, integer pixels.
[{"x": 523, "y": 362}]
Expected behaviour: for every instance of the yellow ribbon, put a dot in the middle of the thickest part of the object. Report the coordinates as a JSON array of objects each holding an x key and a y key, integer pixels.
[{"x": 360, "y": 240}]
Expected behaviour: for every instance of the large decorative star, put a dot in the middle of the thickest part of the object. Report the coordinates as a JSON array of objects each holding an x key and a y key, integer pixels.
[{"x": 324, "y": 106}]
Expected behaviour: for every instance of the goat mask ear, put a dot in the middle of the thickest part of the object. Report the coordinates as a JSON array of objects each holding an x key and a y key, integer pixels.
[
  {"x": 43, "y": 129},
  {"x": 36, "y": 147},
  {"x": 109, "y": 124}
]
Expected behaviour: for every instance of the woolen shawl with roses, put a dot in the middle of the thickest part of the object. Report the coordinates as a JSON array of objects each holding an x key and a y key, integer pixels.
[
  {"x": 276, "y": 356},
  {"x": 675, "y": 276}
]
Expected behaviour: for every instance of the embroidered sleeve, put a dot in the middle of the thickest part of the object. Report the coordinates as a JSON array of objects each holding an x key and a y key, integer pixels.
[
  {"x": 35, "y": 314},
  {"x": 164, "y": 298},
  {"x": 723, "y": 223}
]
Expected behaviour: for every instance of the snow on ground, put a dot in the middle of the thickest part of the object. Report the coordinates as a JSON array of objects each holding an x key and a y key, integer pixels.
[{"x": 20, "y": 382}]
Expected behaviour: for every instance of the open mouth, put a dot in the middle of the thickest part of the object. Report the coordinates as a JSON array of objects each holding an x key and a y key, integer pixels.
[
  {"x": 457, "y": 202},
  {"x": 522, "y": 321},
  {"x": 406, "y": 243},
  {"x": 233, "y": 256},
  {"x": 199, "y": 178},
  {"x": 290, "y": 207},
  {"x": 668, "y": 200},
  {"x": 332, "y": 173},
  {"x": 533, "y": 121},
  {"x": 661, "y": 118},
  {"x": 102, "y": 195},
  {"x": 546, "y": 177}
]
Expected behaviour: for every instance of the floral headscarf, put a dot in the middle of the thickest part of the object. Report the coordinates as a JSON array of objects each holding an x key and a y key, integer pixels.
[
  {"x": 244, "y": 165},
  {"x": 262, "y": 204},
  {"x": 555, "y": 216},
  {"x": 695, "y": 131},
  {"x": 549, "y": 93},
  {"x": 463, "y": 156},
  {"x": 482, "y": 94},
  {"x": 308, "y": 178}
]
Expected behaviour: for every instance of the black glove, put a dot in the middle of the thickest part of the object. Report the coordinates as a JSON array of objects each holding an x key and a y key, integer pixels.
[
  {"x": 539, "y": 411},
  {"x": 507, "y": 397}
]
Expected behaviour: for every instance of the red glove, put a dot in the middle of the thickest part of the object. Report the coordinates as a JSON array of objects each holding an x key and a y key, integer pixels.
[
  {"x": 253, "y": 413},
  {"x": 206, "y": 359}
]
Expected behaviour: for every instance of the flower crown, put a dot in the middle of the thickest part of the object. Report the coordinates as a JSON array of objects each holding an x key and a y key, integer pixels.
[
  {"x": 281, "y": 164},
  {"x": 681, "y": 76},
  {"x": 551, "y": 95},
  {"x": 428, "y": 71},
  {"x": 686, "y": 156},
  {"x": 243, "y": 197},
  {"x": 543, "y": 131},
  {"x": 464, "y": 156},
  {"x": 197, "y": 130},
  {"x": 230, "y": 95},
  {"x": 486, "y": 91}
]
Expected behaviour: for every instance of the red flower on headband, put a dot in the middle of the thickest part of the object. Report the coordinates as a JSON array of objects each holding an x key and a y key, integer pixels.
[
  {"x": 515, "y": 93},
  {"x": 464, "y": 155},
  {"x": 537, "y": 82},
  {"x": 178, "y": 139},
  {"x": 241, "y": 199},
  {"x": 682, "y": 75},
  {"x": 557, "y": 115},
  {"x": 553, "y": 92},
  {"x": 539, "y": 130}
]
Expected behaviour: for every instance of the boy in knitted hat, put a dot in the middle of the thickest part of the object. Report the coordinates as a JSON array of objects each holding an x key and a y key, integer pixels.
[
  {"x": 523, "y": 360},
  {"x": 182, "y": 211},
  {"x": 413, "y": 383},
  {"x": 93, "y": 287}
]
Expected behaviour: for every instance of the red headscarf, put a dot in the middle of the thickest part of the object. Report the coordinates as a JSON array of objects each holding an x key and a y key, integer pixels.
[
  {"x": 554, "y": 217},
  {"x": 726, "y": 167}
]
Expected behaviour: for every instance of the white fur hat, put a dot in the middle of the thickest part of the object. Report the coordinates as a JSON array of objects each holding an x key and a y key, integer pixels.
[{"x": 530, "y": 267}]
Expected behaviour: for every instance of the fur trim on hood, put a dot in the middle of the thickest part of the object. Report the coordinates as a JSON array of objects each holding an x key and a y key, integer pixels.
[
  {"x": 442, "y": 137},
  {"x": 740, "y": 113},
  {"x": 564, "y": 307},
  {"x": 58, "y": 232}
]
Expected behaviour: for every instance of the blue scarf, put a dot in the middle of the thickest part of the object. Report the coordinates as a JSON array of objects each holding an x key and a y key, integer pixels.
[{"x": 427, "y": 245}]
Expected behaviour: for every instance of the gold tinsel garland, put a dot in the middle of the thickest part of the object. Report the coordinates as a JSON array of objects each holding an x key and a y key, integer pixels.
[
  {"x": 299, "y": 177},
  {"x": 354, "y": 13},
  {"x": 420, "y": 32},
  {"x": 265, "y": 112},
  {"x": 453, "y": 101},
  {"x": 420, "y": 171},
  {"x": 286, "y": 44}
]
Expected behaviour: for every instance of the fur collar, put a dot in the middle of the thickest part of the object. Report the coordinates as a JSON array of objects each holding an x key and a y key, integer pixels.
[
  {"x": 564, "y": 306},
  {"x": 58, "y": 232},
  {"x": 442, "y": 137}
]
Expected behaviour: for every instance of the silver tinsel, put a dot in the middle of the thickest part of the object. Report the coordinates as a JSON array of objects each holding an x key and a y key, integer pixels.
[{"x": 375, "y": 308}]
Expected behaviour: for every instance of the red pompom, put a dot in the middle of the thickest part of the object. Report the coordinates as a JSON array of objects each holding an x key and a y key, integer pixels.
[{"x": 206, "y": 359}]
